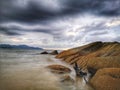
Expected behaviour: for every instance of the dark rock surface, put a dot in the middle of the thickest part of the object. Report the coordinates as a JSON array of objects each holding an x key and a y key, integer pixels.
[
  {"x": 44, "y": 52},
  {"x": 55, "y": 52}
]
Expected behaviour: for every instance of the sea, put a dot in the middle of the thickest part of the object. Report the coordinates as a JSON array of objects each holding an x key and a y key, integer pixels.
[{"x": 26, "y": 70}]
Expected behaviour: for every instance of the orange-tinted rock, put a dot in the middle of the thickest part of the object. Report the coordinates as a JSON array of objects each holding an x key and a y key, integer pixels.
[
  {"x": 106, "y": 79},
  {"x": 104, "y": 62},
  {"x": 83, "y": 50},
  {"x": 95, "y": 57},
  {"x": 59, "y": 69},
  {"x": 91, "y": 54}
]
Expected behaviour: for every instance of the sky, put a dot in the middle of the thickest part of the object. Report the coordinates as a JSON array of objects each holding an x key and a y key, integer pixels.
[{"x": 59, "y": 24}]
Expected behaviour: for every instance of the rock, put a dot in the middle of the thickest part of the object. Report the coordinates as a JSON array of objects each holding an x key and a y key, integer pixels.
[
  {"x": 44, "y": 52},
  {"x": 83, "y": 50},
  {"x": 79, "y": 71},
  {"x": 103, "y": 62},
  {"x": 106, "y": 79},
  {"x": 67, "y": 78},
  {"x": 103, "y": 51},
  {"x": 91, "y": 70},
  {"x": 59, "y": 69},
  {"x": 55, "y": 52},
  {"x": 95, "y": 58}
]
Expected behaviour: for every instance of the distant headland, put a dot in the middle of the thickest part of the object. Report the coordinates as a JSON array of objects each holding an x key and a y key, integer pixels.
[{"x": 8, "y": 46}]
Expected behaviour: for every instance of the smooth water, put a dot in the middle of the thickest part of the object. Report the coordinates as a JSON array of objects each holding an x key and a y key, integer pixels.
[{"x": 25, "y": 70}]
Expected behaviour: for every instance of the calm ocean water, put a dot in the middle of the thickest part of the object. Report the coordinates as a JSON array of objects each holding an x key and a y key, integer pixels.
[{"x": 25, "y": 70}]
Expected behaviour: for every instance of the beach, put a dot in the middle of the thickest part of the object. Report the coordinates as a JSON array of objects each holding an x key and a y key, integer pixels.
[{"x": 26, "y": 70}]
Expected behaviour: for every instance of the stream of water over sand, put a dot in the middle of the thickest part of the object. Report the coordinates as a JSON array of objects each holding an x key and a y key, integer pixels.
[{"x": 25, "y": 70}]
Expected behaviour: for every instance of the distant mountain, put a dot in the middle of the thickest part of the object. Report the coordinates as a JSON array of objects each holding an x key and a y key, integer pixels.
[{"x": 8, "y": 46}]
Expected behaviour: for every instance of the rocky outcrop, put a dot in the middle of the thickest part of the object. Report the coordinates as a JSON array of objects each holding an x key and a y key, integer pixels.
[
  {"x": 81, "y": 51},
  {"x": 44, "y": 52},
  {"x": 55, "y": 52},
  {"x": 63, "y": 72},
  {"x": 59, "y": 69},
  {"x": 106, "y": 79},
  {"x": 101, "y": 59},
  {"x": 98, "y": 55}
]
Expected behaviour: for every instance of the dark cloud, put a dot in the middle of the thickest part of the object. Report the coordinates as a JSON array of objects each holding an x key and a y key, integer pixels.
[
  {"x": 31, "y": 13},
  {"x": 34, "y": 11},
  {"x": 98, "y": 7},
  {"x": 9, "y": 32},
  {"x": 17, "y": 30},
  {"x": 110, "y": 8}
]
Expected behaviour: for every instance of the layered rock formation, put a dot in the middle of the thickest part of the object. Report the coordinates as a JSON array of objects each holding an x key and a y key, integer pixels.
[
  {"x": 99, "y": 58},
  {"x": 62, "y": 71},
  {"x": 59, "y": 69},
  {"x": 89, "y": 55}
]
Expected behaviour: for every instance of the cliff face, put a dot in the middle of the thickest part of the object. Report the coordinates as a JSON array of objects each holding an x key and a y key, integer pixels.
[{"x": 102, "y": 60}]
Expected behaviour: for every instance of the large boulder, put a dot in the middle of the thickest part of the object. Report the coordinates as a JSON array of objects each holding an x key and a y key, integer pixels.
[
  {"x": 55, "y": 52},
  {"x": 59, "y": 69},
  {"x": 44, "y": 52},
  {"x": 106, "y": 79}
]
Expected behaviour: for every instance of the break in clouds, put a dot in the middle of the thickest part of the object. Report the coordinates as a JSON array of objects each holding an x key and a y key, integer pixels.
[{"x": 59, "y": 23}]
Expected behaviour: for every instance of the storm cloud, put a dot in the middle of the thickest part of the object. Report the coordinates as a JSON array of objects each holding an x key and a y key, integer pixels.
[
  {"x": 59, "y": 23},
  {"x": 34, "y": 10}
]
